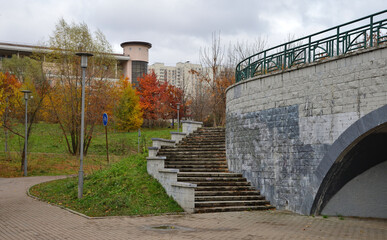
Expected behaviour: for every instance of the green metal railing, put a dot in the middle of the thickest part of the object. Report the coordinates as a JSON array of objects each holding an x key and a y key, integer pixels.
[{"x": 361, "y": 33}]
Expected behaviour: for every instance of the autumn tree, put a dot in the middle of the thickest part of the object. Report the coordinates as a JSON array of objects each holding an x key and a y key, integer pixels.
[
  {"x": 243, "y": 49},
  {"x": 158, "y": 100},
  {"x": 31, "y": 75},
  {"x": 216, "y": 78},
  {"x": 199, "y": 99},
  {"x": 64, "y": 66},
  {"x": 171, "y": 96},
  {"x": 209, "y": 99},
  {"x": 9, "y": 96},
  {"x": 149, "y": 90},
  {"x": 128, "y": 114}
]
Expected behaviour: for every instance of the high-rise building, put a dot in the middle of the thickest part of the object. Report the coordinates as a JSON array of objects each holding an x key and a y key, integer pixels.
[{"x": 180, "y": 75}]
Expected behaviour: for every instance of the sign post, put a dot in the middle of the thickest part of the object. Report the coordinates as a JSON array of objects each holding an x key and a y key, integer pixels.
[
  {"x": 138, "y": 140},
  {"x": 105, "y": 121}
]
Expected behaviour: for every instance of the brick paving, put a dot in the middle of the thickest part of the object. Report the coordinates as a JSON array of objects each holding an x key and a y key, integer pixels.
[{"x": 22, "y": 217}]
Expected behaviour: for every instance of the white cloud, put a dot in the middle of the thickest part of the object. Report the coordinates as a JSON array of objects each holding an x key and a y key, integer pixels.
[{"x": 178, "y": 28}]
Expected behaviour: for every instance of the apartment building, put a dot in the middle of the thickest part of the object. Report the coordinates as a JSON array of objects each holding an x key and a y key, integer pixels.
[{"x": 179, "y": 75}]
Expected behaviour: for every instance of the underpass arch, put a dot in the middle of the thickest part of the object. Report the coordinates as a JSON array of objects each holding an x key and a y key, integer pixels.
[{"x": 358, "y": 149}]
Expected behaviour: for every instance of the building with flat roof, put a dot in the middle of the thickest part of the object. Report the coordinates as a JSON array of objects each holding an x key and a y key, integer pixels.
[{"x": 132, "y": 63}]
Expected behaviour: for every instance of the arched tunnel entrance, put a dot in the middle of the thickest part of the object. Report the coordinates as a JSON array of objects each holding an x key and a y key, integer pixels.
[{"x": 356, "y": 184}]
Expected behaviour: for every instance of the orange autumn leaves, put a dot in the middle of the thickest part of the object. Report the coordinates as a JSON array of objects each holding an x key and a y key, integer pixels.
[
  {"x": 151, "y": 101},
  {"x": 158, "y": 100},
  {"x": 9, "y": 94},
  {"x": 126, "y": 106}
]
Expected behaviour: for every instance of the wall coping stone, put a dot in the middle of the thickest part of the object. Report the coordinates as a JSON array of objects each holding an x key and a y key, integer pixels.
[
  {"x": 169, "y": 170},
  {"x": 189, "y": 121},
  {"x": 163, "y": 140},
  {"x": 156, "y": 158},
  {"x": 179, "y": 133},
  {"x": 184, "y": 184}
]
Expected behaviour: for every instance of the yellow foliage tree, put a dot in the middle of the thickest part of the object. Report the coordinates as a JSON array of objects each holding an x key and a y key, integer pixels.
[
  {"x": 128, "y": 114},
  {"x": 9, "y": 94}
]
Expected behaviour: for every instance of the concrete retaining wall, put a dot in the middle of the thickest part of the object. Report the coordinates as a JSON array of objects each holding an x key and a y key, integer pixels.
[{"x": 280, "y": 126}]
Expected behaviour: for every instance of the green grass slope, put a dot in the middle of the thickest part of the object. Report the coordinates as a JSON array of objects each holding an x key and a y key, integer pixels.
[{"x": 125, "y": 188}]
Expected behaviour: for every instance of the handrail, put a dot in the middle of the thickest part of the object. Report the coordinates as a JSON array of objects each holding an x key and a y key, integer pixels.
[{"x": 310, "y": 49}]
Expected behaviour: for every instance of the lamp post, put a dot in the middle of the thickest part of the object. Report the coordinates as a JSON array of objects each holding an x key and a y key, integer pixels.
[
  {"x": 178, "y": 117},
  {"x": 83, "y": 56},
  {"x": 26, "y": 92}
]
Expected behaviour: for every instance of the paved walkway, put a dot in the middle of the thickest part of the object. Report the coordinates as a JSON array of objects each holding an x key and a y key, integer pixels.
[{"x": 22, "y": 217}]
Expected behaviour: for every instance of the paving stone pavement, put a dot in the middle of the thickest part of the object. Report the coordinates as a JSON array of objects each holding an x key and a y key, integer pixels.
[{"x": 22, "y": 217}]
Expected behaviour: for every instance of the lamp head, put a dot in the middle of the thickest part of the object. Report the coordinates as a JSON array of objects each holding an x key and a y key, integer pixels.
[
  {"x": 26, "y": 92},
  {"x": 84, "y": 56}
]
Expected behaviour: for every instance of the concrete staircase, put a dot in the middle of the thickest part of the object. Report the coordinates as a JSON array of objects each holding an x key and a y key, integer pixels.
[{"x": 201, "y": 160}]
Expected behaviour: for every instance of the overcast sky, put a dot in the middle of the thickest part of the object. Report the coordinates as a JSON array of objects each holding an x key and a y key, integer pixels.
[{"x": 178, "y": 29}]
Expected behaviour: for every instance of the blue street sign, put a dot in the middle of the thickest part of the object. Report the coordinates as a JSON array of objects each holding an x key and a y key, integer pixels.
[{"x": 105, "y": 119}]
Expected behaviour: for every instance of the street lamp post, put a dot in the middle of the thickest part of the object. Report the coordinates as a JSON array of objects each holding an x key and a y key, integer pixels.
[
  {"x": 178, "y": 117},
  {"x": 83, "y": 56},
  {"x": 26, "y": 92}
]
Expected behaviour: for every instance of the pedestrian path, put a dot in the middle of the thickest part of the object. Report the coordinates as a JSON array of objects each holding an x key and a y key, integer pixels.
[{"x": 22, "y": 217}]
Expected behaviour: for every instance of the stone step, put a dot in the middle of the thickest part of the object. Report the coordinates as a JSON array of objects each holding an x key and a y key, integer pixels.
[
  {"x": 213, "y": 204},
  {"x": 188, "y": 157},
  {"x": 196, "y": 166},
  {"x": 178, "y": 150},
  {"x": 222, "y": 184},
  {"x": 205, "y": 140},
  {"x": 188, "y": 154},
  {"x": 202, "y": 170},
  {"x": 200, "y": 133},
  {"x": 210, "y": 179},
  {"x": 196, "y": 161},
  {"x": 209, "y": 174},
  {"x": 223, "y": 188},
  {"x": 199, "y": 150},
  {"x": 202, "y": 140},
  {"x": 226, "y": 193},
  {"x": 209, "y": 129},
  {"x": 233, "y": 209},
  {"x": 198, "y": 145},
  {"x": 192, "y": 151},
  {"x": 211, "y": 135},
  {"x": 220, "y": 147},
  {"x": 229, "y": 198},
  {"x": 201, "y": 160}
]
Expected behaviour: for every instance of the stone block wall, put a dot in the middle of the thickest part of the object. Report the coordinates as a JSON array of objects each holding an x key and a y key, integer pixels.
[{"x": 280, "y": 126}]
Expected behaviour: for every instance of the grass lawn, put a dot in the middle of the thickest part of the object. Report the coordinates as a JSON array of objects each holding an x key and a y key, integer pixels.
[
  {"x": 124, "y": 188},
  {"x": 47, "y": 153}
]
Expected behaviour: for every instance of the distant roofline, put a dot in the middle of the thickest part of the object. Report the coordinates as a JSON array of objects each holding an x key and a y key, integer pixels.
[
  {"x": 146, "y": 44},
  {"x": 31, "y": 48}
]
